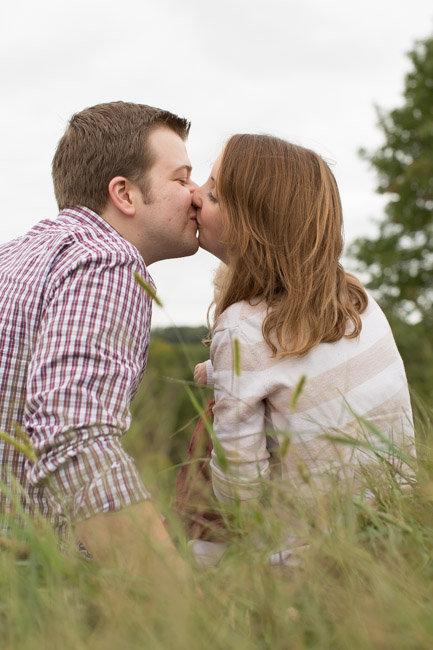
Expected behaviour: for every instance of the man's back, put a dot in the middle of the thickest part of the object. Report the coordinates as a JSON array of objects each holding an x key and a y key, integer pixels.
[{"x": 74, "y": 334}]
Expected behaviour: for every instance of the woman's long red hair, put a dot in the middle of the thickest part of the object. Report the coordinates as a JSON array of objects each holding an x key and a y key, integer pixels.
[{"x": 283, "y": 231}]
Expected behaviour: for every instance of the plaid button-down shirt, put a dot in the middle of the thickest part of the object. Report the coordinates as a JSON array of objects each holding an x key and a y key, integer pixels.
[{"x": 74, "y": 336}]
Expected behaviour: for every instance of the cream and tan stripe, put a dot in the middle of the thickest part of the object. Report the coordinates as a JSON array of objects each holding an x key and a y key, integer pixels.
[{"x": 351, "y": 378}]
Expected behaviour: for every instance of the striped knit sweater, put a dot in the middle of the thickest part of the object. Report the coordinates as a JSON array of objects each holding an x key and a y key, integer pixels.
[{"x": 346, "y": 382}]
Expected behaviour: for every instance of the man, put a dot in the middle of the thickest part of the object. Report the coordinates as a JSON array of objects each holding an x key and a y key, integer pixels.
[{"x": 75, "y": 325}]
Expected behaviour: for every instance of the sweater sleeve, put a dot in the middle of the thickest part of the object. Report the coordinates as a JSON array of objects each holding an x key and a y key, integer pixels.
[
  {"x": 209, "y": 374},
  {"x": 239, "y": 417}
]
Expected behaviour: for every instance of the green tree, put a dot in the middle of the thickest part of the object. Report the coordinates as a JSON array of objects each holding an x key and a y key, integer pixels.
[{"x": 399, "y": 260}]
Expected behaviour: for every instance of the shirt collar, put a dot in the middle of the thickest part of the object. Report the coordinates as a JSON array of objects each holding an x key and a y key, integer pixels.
[
  {"x": 87, "y": 215},
  {"x": 92, "y": 219}
]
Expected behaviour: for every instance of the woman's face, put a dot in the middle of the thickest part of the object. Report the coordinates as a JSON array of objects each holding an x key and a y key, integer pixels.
[{"x": 209, "y": 218}]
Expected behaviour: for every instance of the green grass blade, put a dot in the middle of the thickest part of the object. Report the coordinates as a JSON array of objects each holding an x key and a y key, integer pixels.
[
  {"x": 297, "y": 392},
  {"x": 219, "y": 452},
  {"x": 236, "y": 357},
  {"x": 22, "y": 447},
  {"x": 147, "y": 288}
]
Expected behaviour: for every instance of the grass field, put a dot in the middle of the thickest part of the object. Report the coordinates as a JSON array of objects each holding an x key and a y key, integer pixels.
[{"x": 365, "y": 580}]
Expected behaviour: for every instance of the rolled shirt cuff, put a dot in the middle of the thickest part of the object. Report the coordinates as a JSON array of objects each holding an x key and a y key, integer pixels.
[{"x": 100, "y": 477}]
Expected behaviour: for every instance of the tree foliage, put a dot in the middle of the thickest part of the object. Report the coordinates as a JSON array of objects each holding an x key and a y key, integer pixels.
[{"x": 400, "y": 259}]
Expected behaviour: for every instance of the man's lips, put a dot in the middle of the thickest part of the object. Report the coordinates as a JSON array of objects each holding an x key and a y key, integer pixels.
[{"x": 193, "y": 217}]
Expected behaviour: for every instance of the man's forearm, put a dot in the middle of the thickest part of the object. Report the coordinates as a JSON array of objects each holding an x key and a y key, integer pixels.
[{"x": 133, "y": 539}]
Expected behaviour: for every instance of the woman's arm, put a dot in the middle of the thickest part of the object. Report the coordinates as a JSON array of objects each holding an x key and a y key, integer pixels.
[{"x": 240, "y": 460}]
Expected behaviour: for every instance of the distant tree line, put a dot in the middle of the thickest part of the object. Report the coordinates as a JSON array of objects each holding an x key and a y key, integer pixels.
[{"x": 180, "y": 334}]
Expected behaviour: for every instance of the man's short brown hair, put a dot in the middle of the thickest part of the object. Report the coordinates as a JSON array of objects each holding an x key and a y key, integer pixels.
[{"x": 105, "y": 141}]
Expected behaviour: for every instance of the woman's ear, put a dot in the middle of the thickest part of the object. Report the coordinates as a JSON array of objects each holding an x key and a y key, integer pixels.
[{"x": 121, "y": 192}]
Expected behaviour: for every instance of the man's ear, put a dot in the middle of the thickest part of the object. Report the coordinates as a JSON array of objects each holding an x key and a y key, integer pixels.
[{"x": 122, "y": 194}]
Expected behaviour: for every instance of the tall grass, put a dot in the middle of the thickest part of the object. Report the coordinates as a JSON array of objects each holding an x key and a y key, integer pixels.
[{"x": 365, "y": 582}]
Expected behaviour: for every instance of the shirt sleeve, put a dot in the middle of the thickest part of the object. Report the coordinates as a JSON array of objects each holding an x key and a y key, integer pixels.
[
  {"x": 86, "y": 366},
  {"x": 239, "y": 418}
]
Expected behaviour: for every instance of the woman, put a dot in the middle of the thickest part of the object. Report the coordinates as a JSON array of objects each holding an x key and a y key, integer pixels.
[{"x": 286, "y": 315}]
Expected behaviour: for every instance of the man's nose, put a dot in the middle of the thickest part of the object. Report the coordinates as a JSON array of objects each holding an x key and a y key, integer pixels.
[
  {"x": 196, "y": 200},
  {"x": 193, "y": 186}
]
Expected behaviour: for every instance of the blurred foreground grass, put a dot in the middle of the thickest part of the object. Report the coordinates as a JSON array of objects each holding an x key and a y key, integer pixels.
[{"x": 366, "y": 581}]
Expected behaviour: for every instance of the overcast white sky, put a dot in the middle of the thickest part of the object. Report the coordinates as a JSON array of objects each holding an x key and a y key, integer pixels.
[{"x": 307, "y": 71}]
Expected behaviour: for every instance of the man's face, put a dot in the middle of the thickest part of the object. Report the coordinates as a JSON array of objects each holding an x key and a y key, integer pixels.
[{"x": 168, "y": 224}]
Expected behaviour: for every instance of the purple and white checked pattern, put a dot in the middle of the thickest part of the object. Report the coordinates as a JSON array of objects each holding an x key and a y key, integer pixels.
[{"x": 74, "y": 337}]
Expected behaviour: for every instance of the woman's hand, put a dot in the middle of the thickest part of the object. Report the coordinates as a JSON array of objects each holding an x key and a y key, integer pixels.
[{"x": 200, "y": 374}]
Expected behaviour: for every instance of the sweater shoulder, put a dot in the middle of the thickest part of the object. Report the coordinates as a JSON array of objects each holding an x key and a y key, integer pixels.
[{"x": 242, "y": 315}]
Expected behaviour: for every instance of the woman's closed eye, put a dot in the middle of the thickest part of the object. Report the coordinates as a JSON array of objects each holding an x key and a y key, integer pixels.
[{"x": 212, "y": 198}]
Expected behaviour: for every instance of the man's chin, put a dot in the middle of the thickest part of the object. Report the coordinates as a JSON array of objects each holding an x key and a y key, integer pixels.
[
  {"x": 189, "y": 250},
  {"x": 195, "y": 247}
]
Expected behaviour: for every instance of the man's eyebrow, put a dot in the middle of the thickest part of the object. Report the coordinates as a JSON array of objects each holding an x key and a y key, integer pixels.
[{"x": 187, "y": 167}]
